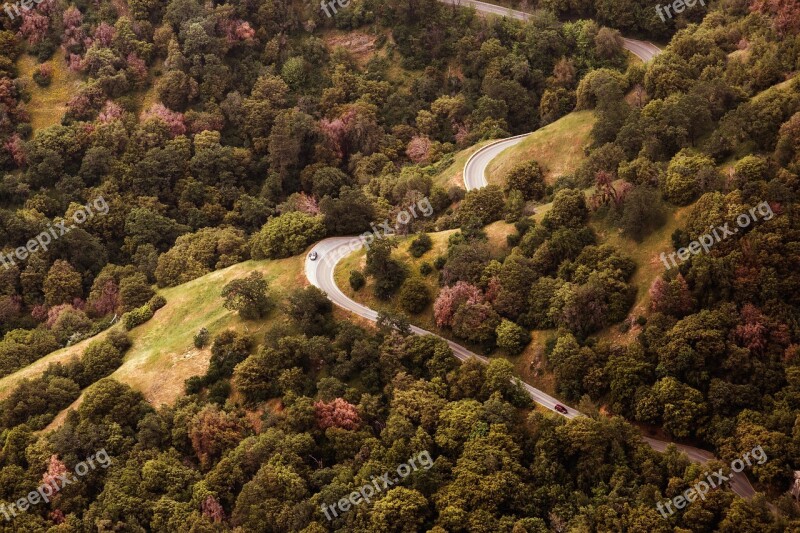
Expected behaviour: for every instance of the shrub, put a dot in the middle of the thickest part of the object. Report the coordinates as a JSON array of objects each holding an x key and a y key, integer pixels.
[
  {"x": 99, "y": 360},
  {"x": 193, "y": 385},
  {"x": 228, "y": 350},
  {"x": 414, "y": 295},
  {"x": 119, "y": 339},
  {"x": 425, "y": 268},
  {"x": 219, "y": 391},
  {"x": 201, "y": 338},
  {"x": 511, "y": 337},
  {"x": 156, "y": 302},
  {"x": 137, "y": 317},
  {"x": 68, "y": 324},
  {"x": 439, "y": 262},
  {"x": 420, "y": 245},
  {"x": 526, "y": 178},
  {"x": 357, "y": 280},
  {"x": 43, "y": 75}
]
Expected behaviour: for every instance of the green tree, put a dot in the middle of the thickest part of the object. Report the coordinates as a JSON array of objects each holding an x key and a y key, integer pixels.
[
  {"x": 62, "y": 284},
  {"x": 286, "y": 235},
  {"x": 420, "y": 245},
  {"x": 311, "y": 309},
  {"x": 688, "y": 176},
  {"x": 485, "y": 204},
  {"x": 134, "y": 291},
  {"x": 527, "y": 178},
  {"x": 569, "y": 210},
  {"x": 248, "y": 296},
  {"x": 388, "y": 272},
  {"x": 511, "y": 337},
  {"x": 414, "y": 295}
]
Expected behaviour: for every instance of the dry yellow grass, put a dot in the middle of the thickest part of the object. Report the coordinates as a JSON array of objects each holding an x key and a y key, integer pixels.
[
  {"x": 48, "y": 104},
  {"x": 163, "y": 355}
]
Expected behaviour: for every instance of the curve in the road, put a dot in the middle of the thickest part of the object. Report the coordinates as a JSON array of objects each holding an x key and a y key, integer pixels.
[
  {"x": 320, "y": 272},
  {"x": 642, "y": 49}
]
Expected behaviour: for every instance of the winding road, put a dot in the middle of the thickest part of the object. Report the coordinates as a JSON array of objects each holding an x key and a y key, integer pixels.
[{"x": 320, "y": 272}]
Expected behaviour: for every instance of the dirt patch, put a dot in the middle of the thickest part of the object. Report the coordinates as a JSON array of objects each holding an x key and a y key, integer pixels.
[{"x": 361, "y": 45}]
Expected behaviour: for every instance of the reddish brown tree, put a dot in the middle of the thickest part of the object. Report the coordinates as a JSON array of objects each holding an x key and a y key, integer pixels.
[
  {"x": 104, "y": 34},
  {"x": 211, "y": 432},
  {"x": 451, "y": 298},
  {"x": 212, "y": 509},
  {"x": 419, "y": 149},
  {"x": 173, "y": 119},
  {"x": 338, "y": 413},
  {"x": 672, "y": 298}
]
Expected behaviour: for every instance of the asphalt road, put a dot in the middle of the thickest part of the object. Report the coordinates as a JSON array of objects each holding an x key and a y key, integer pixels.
[
  {"x": 320, "y": 274},
  {"x": 329, "y": 251},
  {"x": 642, "y": 49}
]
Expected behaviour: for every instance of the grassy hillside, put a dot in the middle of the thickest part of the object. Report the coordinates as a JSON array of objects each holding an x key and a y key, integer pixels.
[
  {"x": 648, "y": 263},
  {"x": 48, "y": 104},
  {"x": 163, "y": 354},
  {"x": 557, "y": 147}
]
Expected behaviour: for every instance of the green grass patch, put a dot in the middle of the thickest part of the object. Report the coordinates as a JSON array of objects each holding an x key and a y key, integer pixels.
[
  {"x": 646, "y": 255},
  {"x": 557, "y": 147},
  {"x": 163, "y": 354}
]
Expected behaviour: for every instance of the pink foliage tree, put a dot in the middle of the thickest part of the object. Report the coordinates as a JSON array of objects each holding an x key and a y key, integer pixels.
[
  {"x": 138, "y": 69},
  {"x": 451, "y": 298},
  {"x": 54, "y": 312},
  {"x": 55, "y": 469},
  {"x": 173, "y": 119},
  {"x": 104, "y": 34},
  {"x": 39, "y": 312},
  {"x": 673, "y": 297},
  {"x": 751, "y": 332},
  {"x": 72, "y": 17},
  {"x": 110, "y": 112},
  {"x": 236, "y": 30},
  {"x": 108, "y": 300},
  {"x": 212, "y": 509},
  {"x": 75, "y": 63},
  {"x": 307, "y": 204},
  {"x": 16, "y": 149},
  {"x": 785, "y": 13},
  {"x": 335, "y": 132},
  {"x": 338, "y": 413},
  {"x": 34, "y": 26},
  {"x": 73, "y": 34},
  {"x": 419, "y": 149}
]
